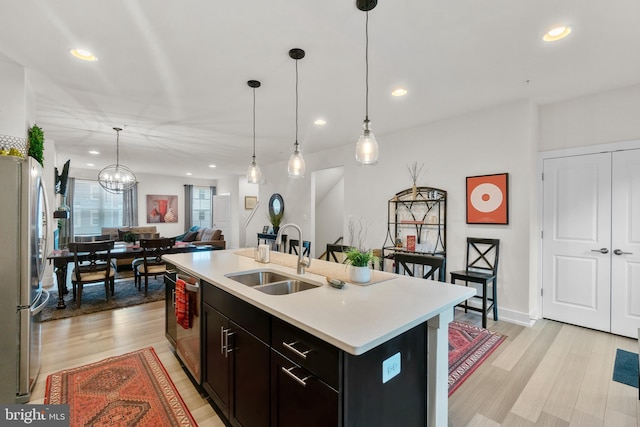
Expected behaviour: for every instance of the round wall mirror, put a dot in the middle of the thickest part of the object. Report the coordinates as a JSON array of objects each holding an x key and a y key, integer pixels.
[{"x": 276, "y": 205}]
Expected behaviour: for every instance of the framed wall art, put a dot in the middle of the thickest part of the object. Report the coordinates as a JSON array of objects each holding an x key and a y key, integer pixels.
[
  {"x": 250, "y": 202},
  {"x": 488, "y": 199},
  {"x": 162, "y": 208}
]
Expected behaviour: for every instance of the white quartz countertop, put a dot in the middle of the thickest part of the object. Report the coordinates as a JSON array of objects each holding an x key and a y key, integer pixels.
[{"x": 354, "y": 318}]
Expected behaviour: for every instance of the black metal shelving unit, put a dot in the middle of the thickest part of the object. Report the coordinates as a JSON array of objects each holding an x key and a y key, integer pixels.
[{"x": 423, "y": 215}]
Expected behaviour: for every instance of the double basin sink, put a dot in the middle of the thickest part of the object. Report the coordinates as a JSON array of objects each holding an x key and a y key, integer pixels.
[{"x": 272, "y": 282}]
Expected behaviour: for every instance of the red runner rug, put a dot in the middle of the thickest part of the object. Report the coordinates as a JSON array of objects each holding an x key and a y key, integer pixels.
[
  {"x": 133, "y": 389},
  {"x": 469, "y": 346}
]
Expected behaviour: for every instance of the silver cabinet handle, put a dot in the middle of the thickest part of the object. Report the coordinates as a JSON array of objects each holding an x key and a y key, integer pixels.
[
  {"x": 294, "y": 376},
  {"x": 226, "y": 343},
  {"x": 620, "y": 252},
  {"x": 602, "y": 250},
  {"x": 222, "y": 333},
  {"x": 294, "y": 350},
  {"x": 173, "y": 297}
]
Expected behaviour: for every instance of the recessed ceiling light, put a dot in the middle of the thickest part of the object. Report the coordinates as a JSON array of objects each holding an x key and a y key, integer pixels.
[
  {"x": 94, "y": 152},
  {"x": 90, "y": 164},
  {"x": 557, "y": 33},
  {"x": 399, "y": 92},
  {"x": 188, "y": 174},
  {"x": 320, "y": 122},
  {"x": 212, "y": 166},
  {"x": 83, "y": 54}
]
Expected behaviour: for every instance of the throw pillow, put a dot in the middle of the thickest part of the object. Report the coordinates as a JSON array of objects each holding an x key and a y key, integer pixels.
[
  {"x": 207, "y": 235},
  {"x": 190, "y": 236},
  {"x": 216, "y": 235}
]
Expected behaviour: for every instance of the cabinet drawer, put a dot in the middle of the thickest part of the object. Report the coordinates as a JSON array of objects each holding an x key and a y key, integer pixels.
[
  {"x": 254, "y": 320},
  {"x": 320, "y": 358}
]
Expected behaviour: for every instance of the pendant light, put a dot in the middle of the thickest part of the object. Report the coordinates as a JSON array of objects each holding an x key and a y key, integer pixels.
[
  {"x": 254, "y": 176},
  {"x": 116, "y": 178},
  {"x": 296, "y": 162},
  {"x": 367, "y": 146}
]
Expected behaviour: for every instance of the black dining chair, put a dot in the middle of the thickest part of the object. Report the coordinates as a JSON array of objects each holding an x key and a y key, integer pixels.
[
  {"x": 92, "y": 264},
  {"x": 98, "y": 238},
  {"x": 481, "y": 268},
  {"x": 420, "y": 265},
  {"x": 151, "y": 263},
  {"x": 295, "y": 243},
  {"x": 333, "y": 251}
]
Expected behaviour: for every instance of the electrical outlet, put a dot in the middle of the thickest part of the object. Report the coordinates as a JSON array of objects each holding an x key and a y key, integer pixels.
[{"x": 391, "y": 367}]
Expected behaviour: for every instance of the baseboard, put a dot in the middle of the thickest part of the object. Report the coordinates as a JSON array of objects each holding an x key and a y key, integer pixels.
[{"x": 517, "y": 317}]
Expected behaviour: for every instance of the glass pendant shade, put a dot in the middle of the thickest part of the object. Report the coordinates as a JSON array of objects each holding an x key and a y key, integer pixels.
[
  {"x": 117, "y": 178},
  {"x": 296, "y": 165},
  {"x": 254, "y": 175},
  {"x": 367, "y": 146}
]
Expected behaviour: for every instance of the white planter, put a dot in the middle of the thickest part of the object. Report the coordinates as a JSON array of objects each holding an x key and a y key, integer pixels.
[{"x": 360, "y": 274}]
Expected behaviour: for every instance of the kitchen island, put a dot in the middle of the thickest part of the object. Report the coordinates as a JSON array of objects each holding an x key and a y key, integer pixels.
[{"x": 367, "y": 326}]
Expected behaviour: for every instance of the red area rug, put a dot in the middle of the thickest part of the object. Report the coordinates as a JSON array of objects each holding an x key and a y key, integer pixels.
[
  {"x": 133, "y": 389},
  {"x": 469, "y": 346}
]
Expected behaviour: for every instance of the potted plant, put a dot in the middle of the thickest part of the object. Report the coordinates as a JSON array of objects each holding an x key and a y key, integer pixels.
[
  {"x": 129, "y": 238},
  {"x": 360, "y": 260},
  {"x": 275, "y": 220},
  {"x": 36, "y": 144}
]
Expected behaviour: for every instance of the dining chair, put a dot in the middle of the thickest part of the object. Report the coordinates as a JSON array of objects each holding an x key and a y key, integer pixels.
[
  {"x": 151, "y": 263},
  {"x": 335, "y": 251},
  {"x": 295, "y": 243},
  {"x": 482, "y": 268},
  {"x": 92, "y": 264},
  {"x": 420, "y": 265}
]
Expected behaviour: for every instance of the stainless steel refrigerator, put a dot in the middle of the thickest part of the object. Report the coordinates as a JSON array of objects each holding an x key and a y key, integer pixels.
[{"x": 24, "y": 217}]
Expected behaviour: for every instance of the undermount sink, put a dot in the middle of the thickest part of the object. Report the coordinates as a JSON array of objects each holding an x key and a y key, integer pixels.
[{"x": 271, "y": 282}]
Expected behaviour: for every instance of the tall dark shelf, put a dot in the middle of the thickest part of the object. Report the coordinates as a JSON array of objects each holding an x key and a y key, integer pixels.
[{"x": 423, "y": 216}]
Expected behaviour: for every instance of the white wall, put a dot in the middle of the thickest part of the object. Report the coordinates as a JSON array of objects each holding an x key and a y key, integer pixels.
[
  {"x": 329, "y": 210},
  {"x": 590, "y": 120},
  {"x": 494, "y": 140}
]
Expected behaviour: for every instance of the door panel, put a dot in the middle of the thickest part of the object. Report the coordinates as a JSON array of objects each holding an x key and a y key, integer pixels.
[
  {"x": 625, "y": 278},
  {"x": 222, "y": 215},
  {"x": 576, "y": 225}
]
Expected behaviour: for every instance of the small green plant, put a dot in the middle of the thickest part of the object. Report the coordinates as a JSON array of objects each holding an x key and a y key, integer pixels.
[
  {"x": 36, "y": 144},
  {"x": 275, "y": 220},
  {"x": 129, "y": 237},
  {"x": 359, "y": 257}
]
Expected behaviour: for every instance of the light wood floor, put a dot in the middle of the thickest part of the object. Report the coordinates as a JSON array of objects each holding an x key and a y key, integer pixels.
[{"x": 549, "y": 375}]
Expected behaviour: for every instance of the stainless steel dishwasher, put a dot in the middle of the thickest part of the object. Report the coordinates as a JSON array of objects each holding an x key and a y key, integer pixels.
[{"x": 184, "y": 335}]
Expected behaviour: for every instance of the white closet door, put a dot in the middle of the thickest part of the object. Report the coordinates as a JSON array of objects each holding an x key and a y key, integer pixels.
[
  {"x": 222, "y": 215},
  {"x": 576, "y": 240},
  {"x": 625, "y": 258}
]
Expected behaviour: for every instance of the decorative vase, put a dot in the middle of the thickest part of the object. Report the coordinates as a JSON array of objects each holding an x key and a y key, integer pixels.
[
  {"x": 414, "y": 192},
  {"x": 360, "y": 274}
]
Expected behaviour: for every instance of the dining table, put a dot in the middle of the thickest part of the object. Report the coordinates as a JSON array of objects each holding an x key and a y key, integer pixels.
[{"x": 60, "y": 258}]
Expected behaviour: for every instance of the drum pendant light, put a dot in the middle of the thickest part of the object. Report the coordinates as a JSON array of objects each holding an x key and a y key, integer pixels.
[
  {"x": 367, "y": 146},
  {"x": 117, "y": 178},
  {"x": 254, "y": 175},
  {"x": 296, "y": 165}
]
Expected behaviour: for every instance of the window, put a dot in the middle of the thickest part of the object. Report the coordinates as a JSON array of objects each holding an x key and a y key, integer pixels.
[
  {"x": 201, "y": 206},
  {"x": 94, "y": 208}
]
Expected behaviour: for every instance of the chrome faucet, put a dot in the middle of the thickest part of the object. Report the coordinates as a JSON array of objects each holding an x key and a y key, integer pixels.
[{"x": 302, "y": 264}]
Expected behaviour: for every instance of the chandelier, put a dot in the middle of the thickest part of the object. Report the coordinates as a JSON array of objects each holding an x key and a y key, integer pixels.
[
  {"x": 254, "y": 176},
  {"x": 296, "y": 166},
  {"x": 116, "y": 178}
]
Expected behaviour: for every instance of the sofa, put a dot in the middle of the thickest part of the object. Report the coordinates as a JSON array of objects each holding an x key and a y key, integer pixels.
[
  {"x": 203, "y": 236},
  {"x": 141, "y": 232}
]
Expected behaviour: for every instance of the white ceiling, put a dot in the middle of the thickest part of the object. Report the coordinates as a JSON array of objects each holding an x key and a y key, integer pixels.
[{"x": 174, "y": 73}]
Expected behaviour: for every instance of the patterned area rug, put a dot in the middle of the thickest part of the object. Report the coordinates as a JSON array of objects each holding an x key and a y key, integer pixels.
[
  {"x": 129, "y": 390},
  {"x": 469, "y": 346},
  {"x": 94, "y": 298}
]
